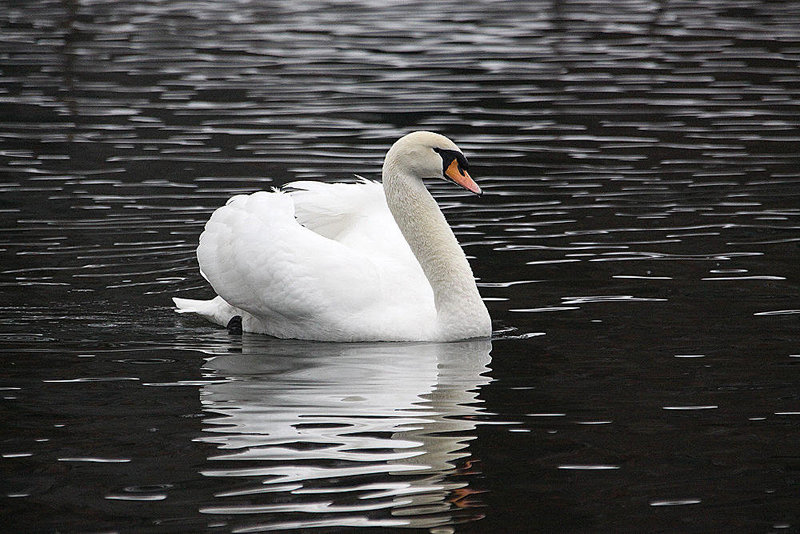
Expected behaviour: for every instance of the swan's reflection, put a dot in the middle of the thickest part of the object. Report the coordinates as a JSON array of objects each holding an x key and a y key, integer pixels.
[{"x": 346, "y": 434}]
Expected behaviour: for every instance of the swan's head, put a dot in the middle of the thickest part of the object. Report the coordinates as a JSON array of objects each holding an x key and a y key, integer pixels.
[{"x": 430, "y": 155}]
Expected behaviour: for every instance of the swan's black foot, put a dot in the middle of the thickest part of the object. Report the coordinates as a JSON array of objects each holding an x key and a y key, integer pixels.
[{"x": 235, "y": 325}]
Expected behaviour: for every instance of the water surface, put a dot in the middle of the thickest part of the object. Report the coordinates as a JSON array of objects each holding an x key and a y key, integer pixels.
[{"x": 637, "y": 246}]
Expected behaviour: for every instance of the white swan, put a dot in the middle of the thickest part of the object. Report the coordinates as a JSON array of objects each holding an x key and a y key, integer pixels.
[{"x": 347, "y": 262}]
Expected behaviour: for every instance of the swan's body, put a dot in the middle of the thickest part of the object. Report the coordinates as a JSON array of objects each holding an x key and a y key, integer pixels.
[{"x": 346, "y": 262}]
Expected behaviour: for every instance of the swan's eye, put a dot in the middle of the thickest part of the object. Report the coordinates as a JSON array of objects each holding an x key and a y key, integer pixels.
[{"x": 449, "y": 156}]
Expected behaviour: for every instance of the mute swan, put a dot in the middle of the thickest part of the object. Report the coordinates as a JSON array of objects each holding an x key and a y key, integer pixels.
[{"x": 346, "y": 262}]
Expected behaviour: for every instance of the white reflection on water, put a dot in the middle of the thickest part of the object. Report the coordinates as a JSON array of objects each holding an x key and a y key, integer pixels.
[{"x": 346, "y": 429}]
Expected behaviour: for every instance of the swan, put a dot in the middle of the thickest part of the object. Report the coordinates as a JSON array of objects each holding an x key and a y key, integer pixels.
[{"x": 346, "y": 262}]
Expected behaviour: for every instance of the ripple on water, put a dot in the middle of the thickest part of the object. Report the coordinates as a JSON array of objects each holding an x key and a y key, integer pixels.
[{"x": 675, "y": 502}]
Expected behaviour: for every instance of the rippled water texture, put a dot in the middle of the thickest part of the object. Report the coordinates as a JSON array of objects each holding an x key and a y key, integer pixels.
[{"x": 638, "y": 247}]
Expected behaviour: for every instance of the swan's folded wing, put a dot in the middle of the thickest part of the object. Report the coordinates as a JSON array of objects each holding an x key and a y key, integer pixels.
[
  {"x": 355, "y": 215},
  {"x": 331, "y": 209},
  {"x": 259, "y": 259}
]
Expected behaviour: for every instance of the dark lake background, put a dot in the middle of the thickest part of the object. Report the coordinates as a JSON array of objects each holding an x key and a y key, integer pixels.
[{"x": 638, "y": 246}]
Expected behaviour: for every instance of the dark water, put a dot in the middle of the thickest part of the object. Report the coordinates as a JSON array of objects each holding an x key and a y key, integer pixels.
[{"x": 638, "y": 247}]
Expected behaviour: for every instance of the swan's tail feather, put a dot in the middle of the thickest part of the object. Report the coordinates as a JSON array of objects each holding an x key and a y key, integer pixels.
[
  {"x": 215, "y": 310},
  {"x": 190, "y": 305}
]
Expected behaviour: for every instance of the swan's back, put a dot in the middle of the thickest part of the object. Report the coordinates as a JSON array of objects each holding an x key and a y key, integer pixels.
[{"x": 316, "y": 261}]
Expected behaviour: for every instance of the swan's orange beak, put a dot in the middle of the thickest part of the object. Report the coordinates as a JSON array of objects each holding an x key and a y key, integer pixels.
[{"x": 462, "y": 178}]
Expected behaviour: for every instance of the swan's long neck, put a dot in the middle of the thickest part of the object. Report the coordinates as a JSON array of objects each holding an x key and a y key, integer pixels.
[{"x": 460, "y": 311}]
